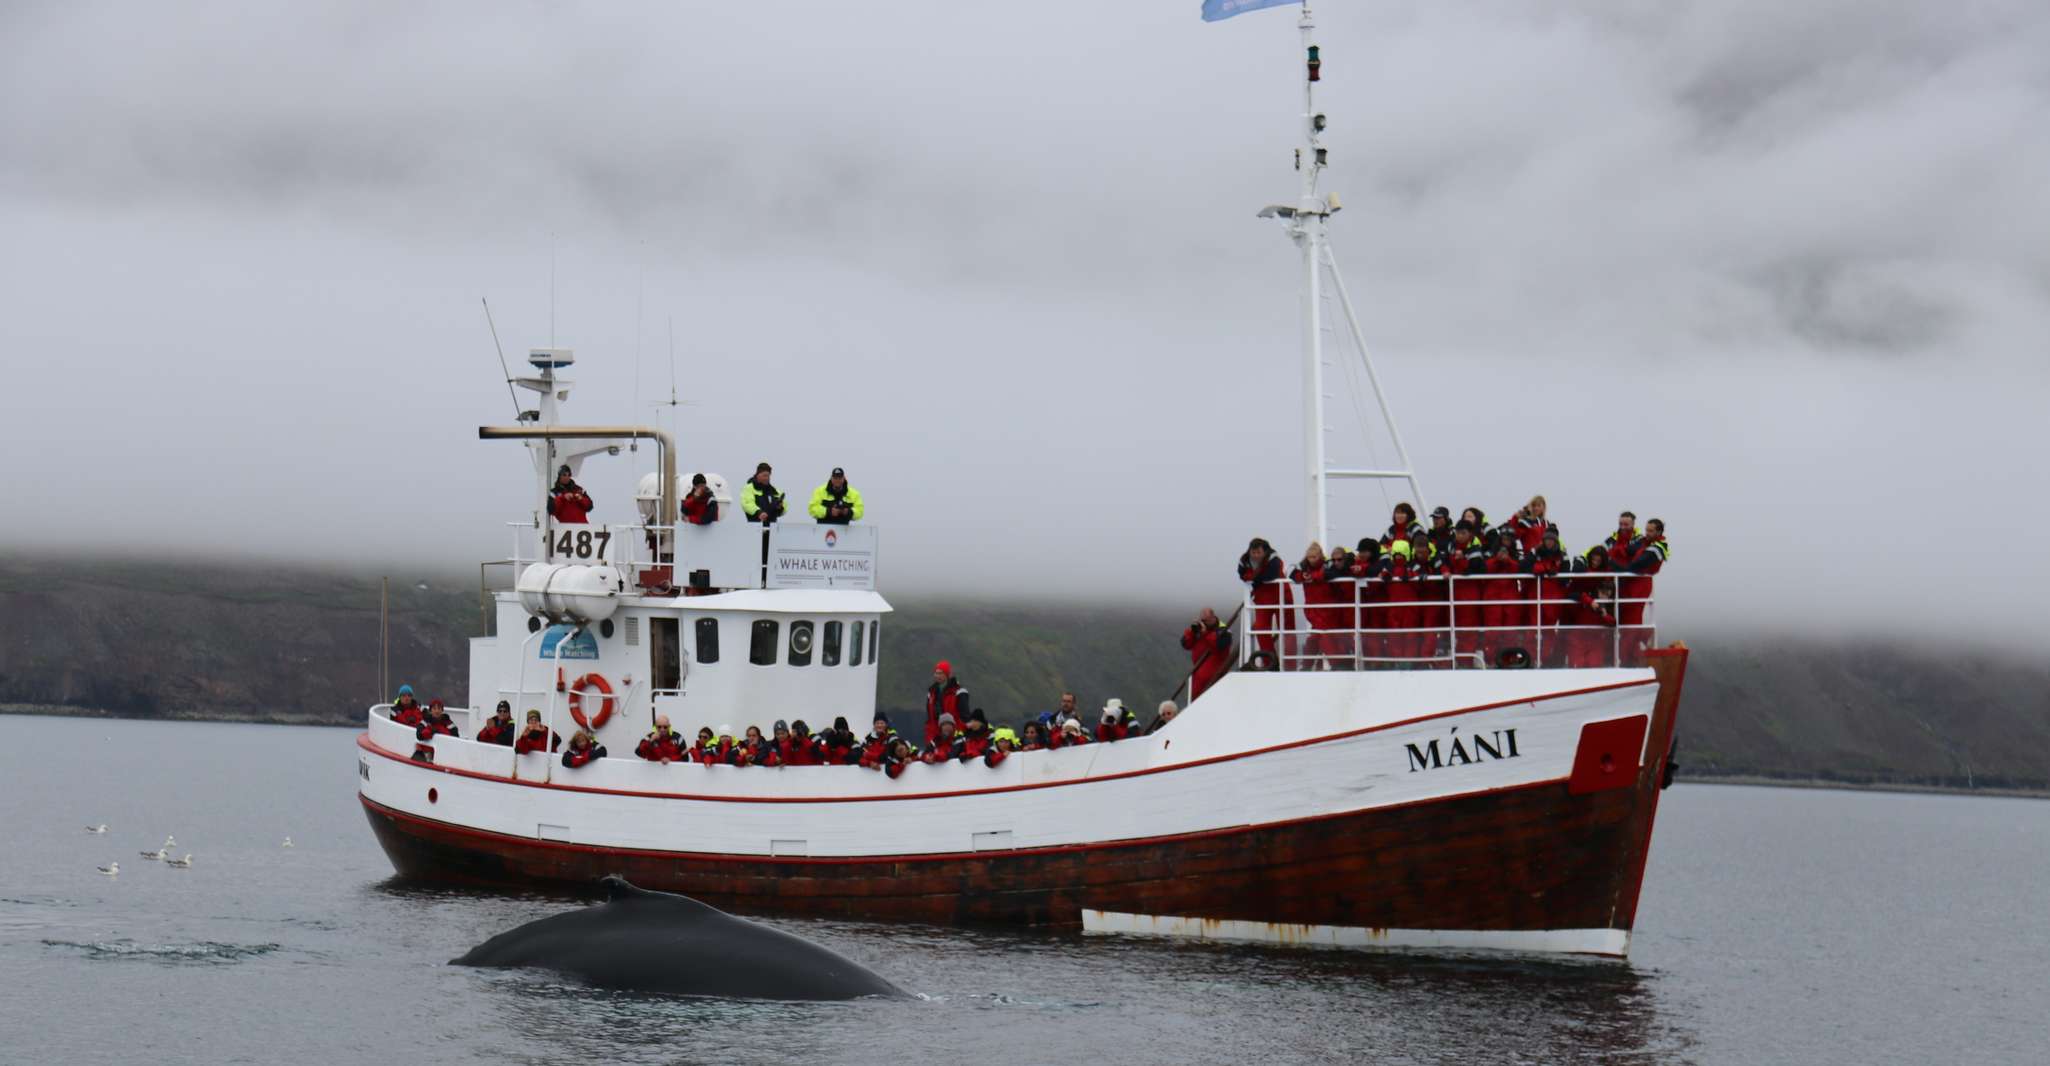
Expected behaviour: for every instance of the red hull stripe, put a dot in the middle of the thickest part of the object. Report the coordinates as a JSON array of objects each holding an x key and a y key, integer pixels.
[
  {"x": 428, "y": 827},
  {"x": 363, "y": 741}
]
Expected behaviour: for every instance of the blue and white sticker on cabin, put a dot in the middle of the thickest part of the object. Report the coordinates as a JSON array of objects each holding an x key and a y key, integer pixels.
[{"x": 581, "y": 645}]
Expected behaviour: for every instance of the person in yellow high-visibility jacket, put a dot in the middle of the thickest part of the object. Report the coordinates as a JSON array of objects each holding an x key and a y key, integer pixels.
[{"x": 836, "y": 503}]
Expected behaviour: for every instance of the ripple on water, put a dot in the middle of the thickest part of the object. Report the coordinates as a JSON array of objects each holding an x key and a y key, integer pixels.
[{"x": 203, "y": 952}]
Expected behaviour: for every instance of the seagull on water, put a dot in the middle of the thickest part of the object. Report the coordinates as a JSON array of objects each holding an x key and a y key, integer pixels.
[
  {"x": 186, "y": 861},
  {"x": 157, "y": 854},
  {"x": 111, "y": 869},
  {"x": 100, "y": 828},
  {"x": 288, "y": 842}
]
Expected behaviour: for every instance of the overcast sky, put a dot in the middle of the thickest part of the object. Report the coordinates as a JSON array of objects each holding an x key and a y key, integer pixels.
[{"x": 1777, "y": 273}]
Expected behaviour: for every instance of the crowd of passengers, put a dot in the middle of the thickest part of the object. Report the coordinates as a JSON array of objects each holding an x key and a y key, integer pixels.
[
  {"x": 1396, "y": 583},
  {"x": 954, "y": 732}
]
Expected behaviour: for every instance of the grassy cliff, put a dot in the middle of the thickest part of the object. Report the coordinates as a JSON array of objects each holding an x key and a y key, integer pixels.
[{"x": 269, "y": 643}]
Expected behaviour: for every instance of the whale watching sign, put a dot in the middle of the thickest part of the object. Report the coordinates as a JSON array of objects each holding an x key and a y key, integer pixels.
[{"x": 822, "y": 557}]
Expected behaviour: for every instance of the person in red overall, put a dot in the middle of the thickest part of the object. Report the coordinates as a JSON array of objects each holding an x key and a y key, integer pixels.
[
  {"x": 406, "y": 709},
  {"x": 1545, "y": 566},
  {"x": 977, "y": 742},
  {"x": 896, "y": 757},
  {"x": 1621, "y": 545},
  {"x": 1033, "y": 737},
  {"x": 664, "y": 745},
  {"x": 1369, "y": 598},
  {"x": 755, "y": 749},
  {"x": 437, "y": 719},
  {"x": 1209, "y": 646},
  {"x": 1466, "y": 558},
  {"x": 946, "y": 696},
  {"x": 1261, "y": 568},
  {"x": 1529, "y": 526},
  {"x": 723, "y": 751},
  {"x": 1117, "y": 723},
  {"x": 1504, "y": 614},
  {"x": 700, "y": 752},
  {"x": 583, "y": 750},
  {"x": 536, "y": 736},
  {"x": 1586, "y": 618},
  {"x": 839, "y": 746},
  {"x": 944, "y": 747},
  {"x": 1439, "y": 533},
  {"x": 794, "y": 744},
  {"x": 499, "y": 728},
  {"x": 700, "y": 508},
  {"x": 1400, "y": 617},
  {"x": 1402, "y": 525},
  {"x": 1071, "y": 735},
  {"x": 1434, "y": 608},
  {"x": 568, "y": 503},
  {"x": 1327, "y": 607},
  {"x": 1648, "y": 559},
  {"x": 875, "y": 748}
]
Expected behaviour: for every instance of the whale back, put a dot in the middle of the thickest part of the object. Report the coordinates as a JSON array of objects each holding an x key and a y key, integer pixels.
[{"x": 642, "y": 940}]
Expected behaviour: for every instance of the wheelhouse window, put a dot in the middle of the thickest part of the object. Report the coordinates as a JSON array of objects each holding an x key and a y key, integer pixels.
[
  {"x": 854, "y": 650},
  {"x": 761, "y": 647},
  {"x": 800, "y": 643},
  {"x": 875, "y": 641},
  {"x": 829, "y": 651},
  {"x": 708, "y": 640}
]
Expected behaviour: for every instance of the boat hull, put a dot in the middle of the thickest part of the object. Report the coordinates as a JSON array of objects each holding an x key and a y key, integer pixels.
[{"x": 1542, "y": 865}]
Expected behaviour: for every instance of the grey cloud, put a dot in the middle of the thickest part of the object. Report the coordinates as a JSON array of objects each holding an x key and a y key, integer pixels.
[{"x": 1766, "y": 269}]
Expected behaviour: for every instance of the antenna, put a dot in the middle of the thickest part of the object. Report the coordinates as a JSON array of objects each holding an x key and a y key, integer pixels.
[
  {"x": 551, "y": 288},
  {"x": 640, "y": 302},
  {"x": 501, "y": 358}
]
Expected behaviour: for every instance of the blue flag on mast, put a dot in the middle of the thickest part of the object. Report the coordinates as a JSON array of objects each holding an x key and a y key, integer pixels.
[{"x": 1214, "y": 10}]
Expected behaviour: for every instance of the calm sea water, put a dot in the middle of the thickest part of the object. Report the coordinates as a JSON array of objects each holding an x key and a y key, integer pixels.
[{"x": 1777, "y": 926}]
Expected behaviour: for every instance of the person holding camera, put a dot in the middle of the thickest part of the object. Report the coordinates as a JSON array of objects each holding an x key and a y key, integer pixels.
[
  {"x": 836, "y": 503},
  {"x": 760, "y": 500},
  {"x": 568, "y": 503},
  {"x": 1209, "y": 647},
  {"x": 499, "y": 728},
  {"x": 700, "y": 507},
  {"x": 536, "y": 736}
]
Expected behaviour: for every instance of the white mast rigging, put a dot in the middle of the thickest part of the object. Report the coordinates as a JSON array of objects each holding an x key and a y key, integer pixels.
[{"x": 1305, "y": 222}]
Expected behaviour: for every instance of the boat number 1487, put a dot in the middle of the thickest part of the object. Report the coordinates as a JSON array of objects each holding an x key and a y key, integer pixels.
[{"x": 579, "y": 543}]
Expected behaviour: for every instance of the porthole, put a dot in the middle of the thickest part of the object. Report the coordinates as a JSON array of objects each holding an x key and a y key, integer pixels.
[
  {"x": 800, "y": 643},
  {"x": 605, "y": 629},
  {"x": 433, "y": 795},
  {"x": 533, "y": 624}
]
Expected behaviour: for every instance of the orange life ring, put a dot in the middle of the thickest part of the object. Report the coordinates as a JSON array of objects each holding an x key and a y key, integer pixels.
[{"x": 576, "y": 700}]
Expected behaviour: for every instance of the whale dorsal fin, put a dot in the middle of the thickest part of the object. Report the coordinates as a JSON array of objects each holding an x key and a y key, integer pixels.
[{"x": 618, "y": 888}]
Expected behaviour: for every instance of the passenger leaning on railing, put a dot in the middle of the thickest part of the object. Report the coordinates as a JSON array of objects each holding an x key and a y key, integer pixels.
[
  {"x": 583, "y": 749},
  {"x": 1647, "y": 559},
  {"x": 755, "y": 749},
  {"x": 876, "y": 746},
  {"x": 437, "y": 721},
  {"x": 1507, "y": 613},
  {"x": 1398, "y": 591},
  {"x": 1466, "y": 558},
  {"x": 794, "y": 744},
  {"x": 1261, "y": 568},
  {"x": 536, "y": 736},
  {"x": 705, "y": 751},
  {"x": 840, "y": 746},
  {"x": 499, "y": 728},
  {"x": 1587, "y": 615},
  {"x": 1323, "y": 588},
  {"x": 1439, "y": 532},
  {"x": 946, "y": 745},
  {"x": 406, "y": 709},
  {"x": 1209, "y": 646},
  {"x": 664, "y": 745}
]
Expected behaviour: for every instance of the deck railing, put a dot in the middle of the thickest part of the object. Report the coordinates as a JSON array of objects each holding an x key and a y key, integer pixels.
[{"x": 1479, "y": 621}]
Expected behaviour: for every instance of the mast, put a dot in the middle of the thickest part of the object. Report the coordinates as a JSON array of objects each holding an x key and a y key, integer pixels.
[{"x": 1305, "y": 223}]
